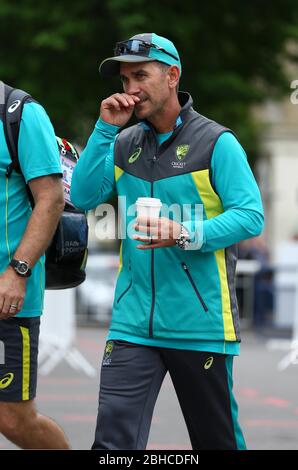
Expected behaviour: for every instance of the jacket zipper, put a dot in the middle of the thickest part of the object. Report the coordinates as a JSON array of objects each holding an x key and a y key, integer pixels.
[
  {"x": 194, "y": 287},
  {"x": 154, "y": 160},
  {"x": 127, "y": 288},
  {"x": 152, "y": 267}
]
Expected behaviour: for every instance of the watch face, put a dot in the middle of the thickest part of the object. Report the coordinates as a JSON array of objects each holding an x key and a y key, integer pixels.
[{"x": 22, "y": 268}]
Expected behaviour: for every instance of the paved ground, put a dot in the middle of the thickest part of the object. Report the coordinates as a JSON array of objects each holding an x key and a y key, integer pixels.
[{"x": 268, "y": 399}]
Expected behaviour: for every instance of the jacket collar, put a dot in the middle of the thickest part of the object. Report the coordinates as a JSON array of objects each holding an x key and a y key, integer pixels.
[{"x": 185, "y": 101}]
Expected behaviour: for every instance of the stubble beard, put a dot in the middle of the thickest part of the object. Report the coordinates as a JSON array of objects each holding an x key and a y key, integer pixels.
[{"x": 155, "y": 110}]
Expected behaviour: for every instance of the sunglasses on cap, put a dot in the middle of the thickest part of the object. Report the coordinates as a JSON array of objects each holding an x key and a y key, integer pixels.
[{"x": 138, "y": 47}]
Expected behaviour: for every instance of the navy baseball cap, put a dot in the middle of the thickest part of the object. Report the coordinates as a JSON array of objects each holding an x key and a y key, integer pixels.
[{"x": 145, "y": 47}]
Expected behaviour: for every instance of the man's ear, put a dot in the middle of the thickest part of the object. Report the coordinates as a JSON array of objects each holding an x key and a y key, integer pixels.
[{"x": 174, "y": 75}]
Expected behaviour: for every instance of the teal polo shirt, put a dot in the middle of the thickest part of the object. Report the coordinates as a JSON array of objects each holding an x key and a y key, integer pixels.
[{"x": 38, "y": 156}]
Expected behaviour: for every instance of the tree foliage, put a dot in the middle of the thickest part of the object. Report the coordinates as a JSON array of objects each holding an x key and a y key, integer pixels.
[{"x": 233, "y": 53}]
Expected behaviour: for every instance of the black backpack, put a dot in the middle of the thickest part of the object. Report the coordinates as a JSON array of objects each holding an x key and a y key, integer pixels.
[{"x": 66, "y": 256}]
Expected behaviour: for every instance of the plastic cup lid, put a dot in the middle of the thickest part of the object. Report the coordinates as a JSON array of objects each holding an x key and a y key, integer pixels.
[{"x": 148, "y": 201}]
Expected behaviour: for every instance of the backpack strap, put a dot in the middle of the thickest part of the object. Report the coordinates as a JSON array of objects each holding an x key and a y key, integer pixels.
[
  {"x": 14, "y": 100},
  {"x": 2, "y": 99}
]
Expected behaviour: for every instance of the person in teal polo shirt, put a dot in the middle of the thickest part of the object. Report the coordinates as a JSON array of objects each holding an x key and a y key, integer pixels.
[
  {"x": 175, "y": 306},
  {"x": 24, "y": 237}
]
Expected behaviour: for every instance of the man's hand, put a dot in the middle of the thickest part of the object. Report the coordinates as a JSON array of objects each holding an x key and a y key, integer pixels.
[
  {"x": 118, "y": 108},
  {"x": 12, "y": 293},
  {"x": 160, "y": 233}
]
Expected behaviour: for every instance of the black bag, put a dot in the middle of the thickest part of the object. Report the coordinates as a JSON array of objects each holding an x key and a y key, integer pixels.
[{"x": 66, "y": 256}]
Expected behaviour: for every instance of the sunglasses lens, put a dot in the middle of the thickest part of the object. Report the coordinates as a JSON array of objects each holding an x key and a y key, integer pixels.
[
  {"x": 131, "y": 46},
  {"x": 134, "y": 46}
]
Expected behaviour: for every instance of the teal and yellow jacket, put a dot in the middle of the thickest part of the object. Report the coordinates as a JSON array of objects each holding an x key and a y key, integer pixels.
[{"x": 171, "y": 297}]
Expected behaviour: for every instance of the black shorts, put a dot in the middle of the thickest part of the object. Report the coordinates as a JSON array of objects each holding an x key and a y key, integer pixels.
[{"x": 18, "y": 358}]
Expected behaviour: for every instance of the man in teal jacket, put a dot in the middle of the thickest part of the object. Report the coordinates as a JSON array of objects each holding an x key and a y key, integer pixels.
[{"x": 175, "y": 306}]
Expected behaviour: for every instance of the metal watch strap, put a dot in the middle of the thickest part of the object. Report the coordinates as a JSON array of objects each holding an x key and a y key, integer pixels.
[{"x": 183, "y": 240}]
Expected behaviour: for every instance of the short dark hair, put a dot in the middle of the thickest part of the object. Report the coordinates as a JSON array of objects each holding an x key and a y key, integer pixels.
[{"x": 164, "y": 68}]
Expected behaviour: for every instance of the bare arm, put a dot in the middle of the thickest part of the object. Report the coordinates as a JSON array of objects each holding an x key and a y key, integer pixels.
[{"x": 49, "y": 203}]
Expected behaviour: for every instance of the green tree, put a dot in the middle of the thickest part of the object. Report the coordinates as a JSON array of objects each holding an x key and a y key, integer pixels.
[
  {"x": 232, "y": 53},
  {"x": 53, "y": 50}
]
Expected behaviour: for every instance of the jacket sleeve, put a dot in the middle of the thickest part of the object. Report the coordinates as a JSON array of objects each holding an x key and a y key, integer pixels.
[
  {"x": 93, "y": 180},
  {"x": 233, "y": 180}
]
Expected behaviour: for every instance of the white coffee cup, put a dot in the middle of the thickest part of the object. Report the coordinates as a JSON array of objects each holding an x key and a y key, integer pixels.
[{"x": 148, "y": 207}]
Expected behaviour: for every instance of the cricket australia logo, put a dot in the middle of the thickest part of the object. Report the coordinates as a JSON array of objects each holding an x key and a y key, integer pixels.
[
  {"x": 108, "y": 351},
  {"x": 181, "y": 152},
  {"x": 135, "y": 155}
]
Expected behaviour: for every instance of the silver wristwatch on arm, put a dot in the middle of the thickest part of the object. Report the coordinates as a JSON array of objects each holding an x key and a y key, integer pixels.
[
  {"x": 183, "y": 240},
  {"x": 20, "y": 267}
]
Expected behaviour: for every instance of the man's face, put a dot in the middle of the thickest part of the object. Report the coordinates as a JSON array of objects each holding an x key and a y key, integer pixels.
[{"x": 150, "y": 83}]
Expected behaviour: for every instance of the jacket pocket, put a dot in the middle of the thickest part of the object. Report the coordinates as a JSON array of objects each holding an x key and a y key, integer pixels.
[
  {"x": 194, "y": 286},
  {"x": 127, "y": 288}
]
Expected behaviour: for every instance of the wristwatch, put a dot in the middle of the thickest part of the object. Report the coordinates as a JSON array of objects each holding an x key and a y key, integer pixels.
[
  {"x": 21, "y": 267},
  {"x": 183, "y": 241}
]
